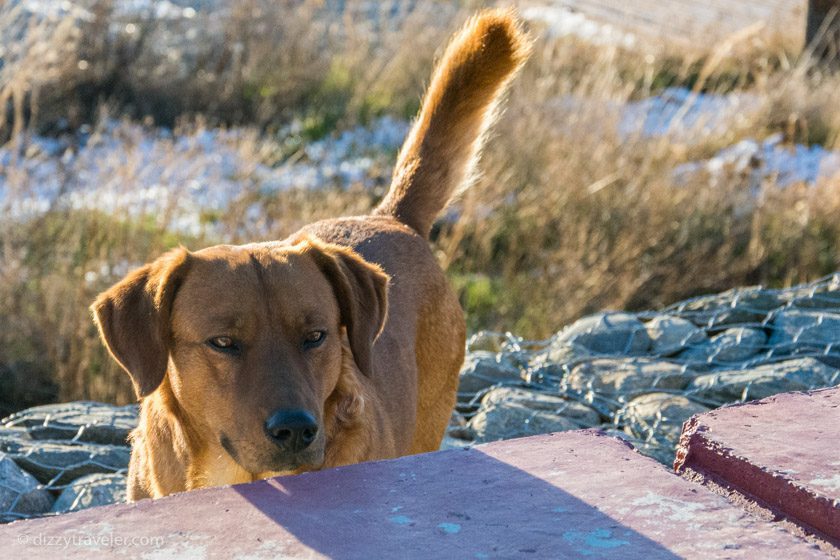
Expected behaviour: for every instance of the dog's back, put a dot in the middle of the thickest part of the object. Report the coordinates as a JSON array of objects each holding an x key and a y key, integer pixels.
[{"x": 434, "y": 163}]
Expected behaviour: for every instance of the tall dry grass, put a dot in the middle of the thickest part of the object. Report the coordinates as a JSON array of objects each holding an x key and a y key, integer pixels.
[
  {"x": 255, "y": 62},
  {"x": 571, "y": 214}
]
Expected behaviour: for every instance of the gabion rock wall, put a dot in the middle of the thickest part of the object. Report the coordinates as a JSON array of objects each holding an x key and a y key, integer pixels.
[
  {"x": 63, "y": 457},
  {"x": 640, "y": 376}
]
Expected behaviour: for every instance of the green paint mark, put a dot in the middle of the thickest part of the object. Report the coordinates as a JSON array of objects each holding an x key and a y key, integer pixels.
[
  {"x": 450, "y": 528},
  {"x": 593, "y": 541}
]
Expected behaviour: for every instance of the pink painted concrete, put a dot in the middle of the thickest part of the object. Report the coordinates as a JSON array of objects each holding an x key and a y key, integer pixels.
[
  {"x": 568, "y": 495},
  {"x": 784, "y": 451}
]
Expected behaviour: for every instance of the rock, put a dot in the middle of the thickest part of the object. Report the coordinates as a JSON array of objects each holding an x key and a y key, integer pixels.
[
  {"x": 450, "y": 442},
  {"x": 608, "y": 333},
  {"x": 658, "y": 416},
  {"x": 731, "y": 346},
  {"x": 458, "y": 428},
  {"x": 549, "y": 375},
  {"x": 20, "y": 495},
  {"x": 579, "y": 413},
  {"x": 91, "y": 490},
  {"x": 829, "y": 299},
  {"x": 518, "y": 359},
  {"x": 559, "y": 352},
  {"x": 486, "y": 341},
  {"x": 65, "y": 461},
  {"x": 85, "y": 421},
  {"x": 457, "y": 420},
  {"x": 741, "y": 305},
  {"x": 795, "y": 331},
  {"x": 549, "y": 365},
  {"x": 485, "y": 369},
  {"x": 670, "y": 334},
  {"x": 506, "y": 420},
  {"x": 14, "y": 433},
  {"x": 765, "y": 380},
  {"x": 614, "y": 379},
  {"x": 738, "y": 344},
  {"x": 821, "y": 296}
]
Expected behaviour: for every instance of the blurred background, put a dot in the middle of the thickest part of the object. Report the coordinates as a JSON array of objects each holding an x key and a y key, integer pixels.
[{"x": 649, "y": 152}]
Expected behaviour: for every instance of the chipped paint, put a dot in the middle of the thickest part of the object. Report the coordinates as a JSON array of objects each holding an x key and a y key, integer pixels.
[
  {"x": 449, "y": 528},
  {"x": 668, "y": 508},
  {"x": 179, "y": 546},
  {"x": 400, "y": 519},
  {"x": 594, "y": 541},
  {"x": 780, "y": 450},
  {"x": 832, "y": 483}
]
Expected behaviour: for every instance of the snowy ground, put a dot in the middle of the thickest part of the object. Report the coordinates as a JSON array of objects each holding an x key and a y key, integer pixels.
[
  {"x": 770, "y": 158},
  {"x": 686, "y": 117},
  {"x": 125, "y": 167},
  {"x": 560, "y": 21},
  {"x": 160, "y": 9}
]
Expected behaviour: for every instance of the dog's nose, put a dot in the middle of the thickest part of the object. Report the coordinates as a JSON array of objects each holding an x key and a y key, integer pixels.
[{"x": 293, "y": 430}]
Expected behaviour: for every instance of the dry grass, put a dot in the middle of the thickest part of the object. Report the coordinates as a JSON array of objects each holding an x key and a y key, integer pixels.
[
  {"x": 584, "y": 218},
  {"x": 258, "y": 62},
  {"x": 571, "y": 215}
]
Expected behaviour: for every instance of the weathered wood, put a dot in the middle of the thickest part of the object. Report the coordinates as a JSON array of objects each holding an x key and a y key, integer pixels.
[{"x": 822, "y": 31}]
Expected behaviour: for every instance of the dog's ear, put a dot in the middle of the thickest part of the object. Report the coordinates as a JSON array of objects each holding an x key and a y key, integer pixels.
[
  {"x": 361, "y": 289},
  {"x": 133, "y": 317}
]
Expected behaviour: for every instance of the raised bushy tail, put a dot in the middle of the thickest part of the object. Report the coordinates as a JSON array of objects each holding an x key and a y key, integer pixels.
[{"x": 439, "y": 153}]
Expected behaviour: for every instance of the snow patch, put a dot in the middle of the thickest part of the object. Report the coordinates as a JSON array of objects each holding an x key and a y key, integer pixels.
[
  {"x": 560, "y": 21},
  {"x": 769, "y": 159},
  {"x": 681, "y": 115},
  {"x": 158, "y": 9},
  {"x": 124, "y": 167},
  {"x": 684, "y": 115}
]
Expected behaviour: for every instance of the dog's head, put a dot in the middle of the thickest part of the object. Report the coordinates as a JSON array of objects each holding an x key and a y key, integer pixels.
[{"x": 253, "y": 341}]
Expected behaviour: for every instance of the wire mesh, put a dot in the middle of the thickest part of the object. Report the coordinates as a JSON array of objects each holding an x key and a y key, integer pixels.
[
  {"x": 645, "y": 373},
  {"x": 57, "y": 458}
]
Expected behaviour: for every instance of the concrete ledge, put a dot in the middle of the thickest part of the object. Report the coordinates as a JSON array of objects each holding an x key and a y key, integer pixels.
[
  {"x": 783, "y": 451},
  {"x": 564, "y": 495}
]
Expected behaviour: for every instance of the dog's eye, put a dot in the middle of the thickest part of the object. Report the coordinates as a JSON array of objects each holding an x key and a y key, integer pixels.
[
  {"x": 223, "y": 344},
  {"x": 314, "y": 339}
]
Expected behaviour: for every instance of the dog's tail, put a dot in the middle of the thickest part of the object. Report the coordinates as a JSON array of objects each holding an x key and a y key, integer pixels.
[{"x": 439, "y": 153}]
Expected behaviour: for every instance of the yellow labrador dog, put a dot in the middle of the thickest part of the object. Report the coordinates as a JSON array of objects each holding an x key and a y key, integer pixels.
[{"x": 337, "y": 345}]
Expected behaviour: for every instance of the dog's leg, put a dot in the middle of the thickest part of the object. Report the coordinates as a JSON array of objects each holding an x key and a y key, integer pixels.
[{"x": 438, "y": 154}]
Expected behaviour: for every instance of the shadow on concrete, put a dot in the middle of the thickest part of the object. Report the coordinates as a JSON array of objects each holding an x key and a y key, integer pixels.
[{"x": 453, "y": 504}]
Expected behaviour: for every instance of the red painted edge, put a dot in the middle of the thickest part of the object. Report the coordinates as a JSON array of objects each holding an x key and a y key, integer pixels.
[{"x": 710, "y": 459}]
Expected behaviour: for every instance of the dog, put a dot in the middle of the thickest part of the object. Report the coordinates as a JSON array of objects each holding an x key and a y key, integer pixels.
[{"x": 340, "y": 344}]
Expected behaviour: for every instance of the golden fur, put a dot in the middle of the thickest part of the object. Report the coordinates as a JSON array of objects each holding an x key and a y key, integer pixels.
[{"x": 215, "y": 340}]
